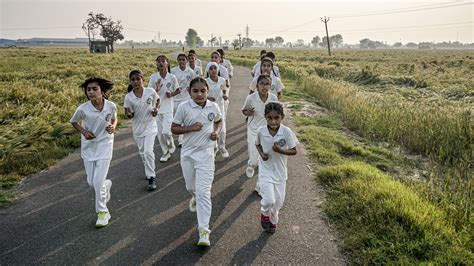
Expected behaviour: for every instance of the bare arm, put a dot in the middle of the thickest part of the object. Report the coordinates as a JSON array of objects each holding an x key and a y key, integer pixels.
[
  {"x": 278, "y": 149},
  {"x": 179, "y": 129},
  {"x": 87, "y": 134},
  {"x": 262, "y": 154}
]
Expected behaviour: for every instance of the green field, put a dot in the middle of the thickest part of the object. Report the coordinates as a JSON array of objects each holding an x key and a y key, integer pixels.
[{"x": 417, "y": 102}]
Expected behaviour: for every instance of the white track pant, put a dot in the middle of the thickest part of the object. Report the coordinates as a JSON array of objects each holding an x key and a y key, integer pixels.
[
  {"x": 96, "y": 172},
  {"x": 252, "y": 149},
  {"x": 223, "y": 133},
  {"x": 164, "y": 131},
  {"x": 273, "y": 196},
  {"x": 198, "y": 172},
  {"x": 145, "y": 149}
]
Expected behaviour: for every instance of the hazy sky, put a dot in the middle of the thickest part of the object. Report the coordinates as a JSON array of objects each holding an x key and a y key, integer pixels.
[{"x": 392, "y": 21}]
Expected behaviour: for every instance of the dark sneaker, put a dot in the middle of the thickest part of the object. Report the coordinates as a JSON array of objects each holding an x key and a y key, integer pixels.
[
  {"x": 265, "y": 222},
  {"x": 272, "y": 228},
  {"x": 151, "y": 184}
]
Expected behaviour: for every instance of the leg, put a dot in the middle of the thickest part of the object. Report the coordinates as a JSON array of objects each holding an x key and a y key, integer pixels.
[
  {"x": 161, "y": 138},
  {"x": 280, "y": 190},
  {"x": 187, "y": 166},
  {"x": 148, "y": 156},
  {"x": 204, "y": 176}
]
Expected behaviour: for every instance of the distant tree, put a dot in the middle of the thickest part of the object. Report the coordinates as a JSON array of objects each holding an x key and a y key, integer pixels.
[
  {"x": 411, "y": 45},
  {"x": 270, "y": 42},
  {"x": 192, "y": 38},
  {"x": 110, "y": 30},
  {"x": 279, "y": 40},
  {"x": 324, "y": 42},
  {"x": 397, "y": 45},
  {"x": 247, "y": 42},
  {"x": 315, "y": 41},
  {"x": 336, "y": 40},
  {"x": 299, "y": 43},
  {"x": 236, "y": 44},
  {"x": 212, "y": 41}
]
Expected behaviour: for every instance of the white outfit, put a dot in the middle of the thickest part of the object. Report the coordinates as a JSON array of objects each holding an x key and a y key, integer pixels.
[
  {"x": 276, "y": 87},
  {"x": 216, "y": 91},
  {"x": 197, "y": 155},
  {"x": 197, "y": 70},
  {"x": 184, "y": 77},
  {"x": 144, "y": 126},
  {"x": 254, "y": 122},
  {"x": 273, "y": 173},
  {"x": 228, "y": 65},
  {"x": 165, "y": 114},
  {"x": 96, "y": 153}
]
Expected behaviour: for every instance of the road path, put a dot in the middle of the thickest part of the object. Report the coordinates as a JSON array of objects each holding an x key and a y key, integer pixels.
[{"x": 53, "y": 221}]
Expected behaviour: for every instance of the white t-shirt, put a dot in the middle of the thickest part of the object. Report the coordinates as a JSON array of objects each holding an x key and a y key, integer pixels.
[
  {"x": 189, "y": 113},
  {"x": 95, "y": 121},
  {"x": 228, "y": 65},
  {"x": 276, "y": 87},
  {"x": 216, "y": 90},
  {"x": 197, "y": 70},
  {"x": 144, "y": 123},
  {"x": 258, "y": 118},
  {"x": 274, "y": 170},
  {"x": 169, "y": 83},
  {"x": 184, "y": 77},
  {"x": 256, "y": 70}
]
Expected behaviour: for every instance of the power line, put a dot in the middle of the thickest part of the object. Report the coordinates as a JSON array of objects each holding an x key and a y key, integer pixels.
[{"x": 43, "y": 28}]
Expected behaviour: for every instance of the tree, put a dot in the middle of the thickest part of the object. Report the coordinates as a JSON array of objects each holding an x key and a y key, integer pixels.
[
  {"x": 270, "y": 42},
  {"x": 299, "y": 43},
  {"x": 212, "y": 41},
  {"x": 110, "y": 30},
  {"x": 236, "y": 44},
  {"x": 411, "y": 45},
  {"x": 324, "y": 42},
  {"x": 247, "y": 42},
  {"x": 279, "y": 40},
  {"x": 397, "y": 45},
  {"x": 336, "y": 40},
  {"x": 315, "y": 41},
  {"x": 192, "y": 39}
]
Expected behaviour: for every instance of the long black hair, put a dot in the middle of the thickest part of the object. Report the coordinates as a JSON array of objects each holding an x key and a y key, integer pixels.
[
  {"x": 104, "y": 84},
  {"x": 135, "y": 72},
  {"x": 167, "y": 61}
]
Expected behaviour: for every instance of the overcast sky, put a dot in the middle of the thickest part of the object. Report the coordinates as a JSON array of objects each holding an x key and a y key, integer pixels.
[{"x": 392, "y": 21}]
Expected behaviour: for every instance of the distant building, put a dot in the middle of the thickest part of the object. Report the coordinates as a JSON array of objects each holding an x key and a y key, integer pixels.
[
  {"x": 98, "y": 47},
  {"x": 7, "y": 43},
  {"x": 76, "y": 42}
]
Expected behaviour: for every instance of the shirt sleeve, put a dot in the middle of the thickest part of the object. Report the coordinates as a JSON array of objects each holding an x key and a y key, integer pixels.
[
  {"x": 174, "y": 84},
  {"x": 179, "y": 115},
  {"x": 219, "y": 114},
  {"x": 247, "y": 103},
  {"x": 257, "y": 139},
  {"x": 114, "y": 111},
  {"x": 151, "y": 82},
  {"x": 77, "y": 117},
  {"x": 126, "y": 102},
  {"x": 291, "y": 139},
  {"x": 231, "y": 68},
  {"x": 279, "y": 85},
  {"x": 253, "y": 85}
]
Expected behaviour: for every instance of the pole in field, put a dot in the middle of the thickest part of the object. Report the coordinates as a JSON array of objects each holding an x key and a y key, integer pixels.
[{"x": 325, "y": 20}]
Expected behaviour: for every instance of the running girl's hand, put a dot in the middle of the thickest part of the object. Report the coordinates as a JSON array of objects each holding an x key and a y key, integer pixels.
[
  {"x": 277, "y": 147},
  {"x": 110, "y": 129},
  {"x": 129, "y": 113},
  {"x": 264, "y": 156},
  {"x": 214, "y": 135},
  {"x": 195, "y": 127},
  {"x": 225, "y": 97},
  {"x": 158, "y": 85},
  {"x": 250, "y": 111},
  {"x": 88, "y": 135},
  {"x": 212, "y": 99},
  {"x": 169, "y": 94},
  {"x": 154, "y": 112}
]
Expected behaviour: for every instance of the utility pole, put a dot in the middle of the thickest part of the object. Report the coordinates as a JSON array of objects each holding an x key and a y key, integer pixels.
[
  {"x": 327, "y": 34},
  {"x": 240, "y": 41},
  {"x": 247, "y": 31}
]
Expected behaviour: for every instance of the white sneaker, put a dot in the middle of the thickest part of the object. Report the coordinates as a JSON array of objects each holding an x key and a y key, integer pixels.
[
  {"x": 171, "y": 148},
  {"x": 165, "y": 157},
  {"x": 204, "y": 238},
  {"x": 250, "y": 171},
  {"x": 108, "y": 185},
  {"x": 192, "y": 204},
  {"x": 102, "y": 219},
  {"x": 224, "y": 153}
]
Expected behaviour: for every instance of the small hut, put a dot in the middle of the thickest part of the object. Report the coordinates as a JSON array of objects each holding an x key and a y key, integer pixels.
[{"x": 98, "y": 47}]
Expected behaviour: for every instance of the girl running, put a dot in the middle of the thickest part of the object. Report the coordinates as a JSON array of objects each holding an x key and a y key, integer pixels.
[
  {"x": 166, "y": 85},
  {"x": 96, "y": 120},
  {"x": 275, "y": 142},
  {"x": 192, "y": 64},
  {"x": 267, "y": 68},
  {"x": 218, "y": 94},
  {"x": 254, "y": 109},
  {"x": 200, "y": 121},
  {"x": 141, "y": 105}
]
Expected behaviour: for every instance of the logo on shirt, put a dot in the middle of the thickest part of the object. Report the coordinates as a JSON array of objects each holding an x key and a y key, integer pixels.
[
  {"x": 148, "y": 101},
  {"x": 281, "y": 143},
  {"x": 211, "y": 116},
  {"x": 188, "y": 77},
  {"x": 107, "y": 117},
  {"x": 168, "y": 85},
  {"x": 273, "y": 87}
]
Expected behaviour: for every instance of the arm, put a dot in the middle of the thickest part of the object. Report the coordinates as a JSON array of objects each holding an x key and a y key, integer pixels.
[
  {"x": 179, "y": 129},
  {"x": 129, "y": 112},
  {"x": 262, "y": 154},
  {"x": 174, "y": 93},
  {"x": 278, "y": 149},
  {"x": 87, "y": 134},
  {"x": 111, "y": 127},
  {"x": 248, "y": 111},
  {"x": 217, "y": 129},
  {"x": 279, "y": 95}
]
